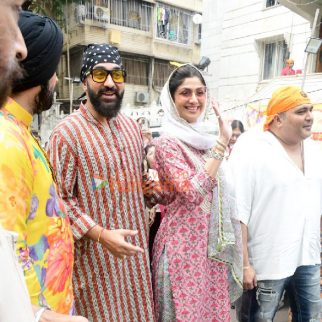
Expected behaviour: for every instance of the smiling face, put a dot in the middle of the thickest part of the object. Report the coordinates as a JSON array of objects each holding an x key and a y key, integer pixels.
[
  {"x": 190, "y": 99},
  {"x": 296, "y": 123},
  {"x": 12, "y": 45},
  {"x": 105, "y": 98}
]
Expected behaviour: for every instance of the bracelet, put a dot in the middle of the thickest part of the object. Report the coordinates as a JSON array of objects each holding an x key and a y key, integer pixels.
[
  {"x": 220, "y": 149},
  {"x": 246, "y": 267},
  {"x": 99, "y": 235},
  {"x": 216, "y": 155},
  {"x": 39, "y": 313},
  {"x": 222, "y": 144}
]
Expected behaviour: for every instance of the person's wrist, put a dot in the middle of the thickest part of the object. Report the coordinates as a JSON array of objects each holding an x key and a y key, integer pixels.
[
  {"x": 40, "y": 313},
  {"x": 106, "y": 239},
  {"x": 219, "y": 149},
  {"x": 100, "y": 234},
  {"x": 223, "y": 140},
  {"x": 216, "y": 154}
]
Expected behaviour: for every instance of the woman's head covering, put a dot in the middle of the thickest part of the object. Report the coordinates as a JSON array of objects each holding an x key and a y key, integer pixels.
[
  {"x": 96, "y": 54},
  {"x": 44, "y": 42},
  {"x": 290, "y": 61},
  {"x": 194, "y": 134},
  {"x": 224, "y": 238},
  {"x": 284, "y": 99}
]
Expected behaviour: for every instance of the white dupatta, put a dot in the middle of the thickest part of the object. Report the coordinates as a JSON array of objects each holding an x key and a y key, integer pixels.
[
  {"x": 224, "y": 239},
  {"x": 193, "y": 134}
]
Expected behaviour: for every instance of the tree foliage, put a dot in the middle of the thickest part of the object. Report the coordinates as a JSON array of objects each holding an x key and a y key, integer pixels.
[{"x": 51, "y": 8}]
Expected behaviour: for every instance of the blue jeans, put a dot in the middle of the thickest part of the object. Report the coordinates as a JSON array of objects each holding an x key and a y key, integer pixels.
[{"x": 302, "y": 288}]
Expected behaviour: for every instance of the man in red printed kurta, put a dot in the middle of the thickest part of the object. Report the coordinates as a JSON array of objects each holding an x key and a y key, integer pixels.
[{"x": 97, "y": 154}]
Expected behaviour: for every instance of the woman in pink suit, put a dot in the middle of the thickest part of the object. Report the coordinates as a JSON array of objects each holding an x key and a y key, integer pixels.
[{"x": 197, "y": 249}]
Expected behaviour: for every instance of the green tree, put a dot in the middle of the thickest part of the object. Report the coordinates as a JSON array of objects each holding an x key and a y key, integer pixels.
[{"x": 51, "y": 8}]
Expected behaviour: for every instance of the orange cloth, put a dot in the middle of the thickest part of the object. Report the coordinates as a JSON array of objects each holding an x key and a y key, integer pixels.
[
  {"x": 284, "y": 99},
  {"x": 290, "y": 61}
]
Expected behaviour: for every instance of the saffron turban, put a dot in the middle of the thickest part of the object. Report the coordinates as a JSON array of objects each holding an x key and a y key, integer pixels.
[
  {"x": 290, "y": 61},
  {"x": 284, "y": 99}
]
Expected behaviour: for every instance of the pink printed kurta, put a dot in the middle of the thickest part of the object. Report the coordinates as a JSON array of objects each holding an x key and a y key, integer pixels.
[{"x": 199, "y": 286}]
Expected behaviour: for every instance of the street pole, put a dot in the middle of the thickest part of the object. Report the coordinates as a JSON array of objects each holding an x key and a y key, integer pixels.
[
  {"x": 317, "y": 12},
  {"x": 70, "y": 85}
]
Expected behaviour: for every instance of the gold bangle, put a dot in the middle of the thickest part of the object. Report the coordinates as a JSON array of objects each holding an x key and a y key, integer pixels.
[
  {"x": 219, "y": 149},
  {"x": 222, "y": 144},
  {"x": 99, "y": 235},
  {"x": 246, "y": 267}
]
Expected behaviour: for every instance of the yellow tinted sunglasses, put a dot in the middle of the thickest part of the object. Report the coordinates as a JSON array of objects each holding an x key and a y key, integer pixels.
[{"x": 100, "y": 75}]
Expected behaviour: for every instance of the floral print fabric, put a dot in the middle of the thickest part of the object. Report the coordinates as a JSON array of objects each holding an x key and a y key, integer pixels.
[
  {"x": 199, "y": 285},
  {"x": 30, "y": 206}
]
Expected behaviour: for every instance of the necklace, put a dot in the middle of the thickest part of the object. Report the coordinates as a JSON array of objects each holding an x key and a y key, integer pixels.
[
  {"x": 90, "y": 112},
  {"x": 301, "y": 148}
]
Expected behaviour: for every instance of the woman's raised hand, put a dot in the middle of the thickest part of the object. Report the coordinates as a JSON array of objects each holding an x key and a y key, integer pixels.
[{"x": 225, "y": 130}]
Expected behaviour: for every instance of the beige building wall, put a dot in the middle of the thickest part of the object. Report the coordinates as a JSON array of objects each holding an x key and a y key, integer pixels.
[{"x": 129, "y": 41}]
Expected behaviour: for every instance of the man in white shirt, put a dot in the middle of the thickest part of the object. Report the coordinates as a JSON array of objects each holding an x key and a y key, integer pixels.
[{"x": 279, "y": 200}]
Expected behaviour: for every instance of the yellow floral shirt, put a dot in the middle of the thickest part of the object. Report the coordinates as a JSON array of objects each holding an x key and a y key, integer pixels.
[{"x": 30, "y": 206}]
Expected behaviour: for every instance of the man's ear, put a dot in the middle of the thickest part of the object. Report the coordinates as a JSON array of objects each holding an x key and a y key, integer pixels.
[
  {"x": 84, "y": 85},
  {"x": 278, "y": 119}
]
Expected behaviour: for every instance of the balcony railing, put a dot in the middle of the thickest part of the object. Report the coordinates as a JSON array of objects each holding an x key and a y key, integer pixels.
[{"x": 132, "y": 14}]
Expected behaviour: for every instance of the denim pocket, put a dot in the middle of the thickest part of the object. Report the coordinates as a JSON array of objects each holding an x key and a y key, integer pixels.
[{"x": 267, "y": 299}]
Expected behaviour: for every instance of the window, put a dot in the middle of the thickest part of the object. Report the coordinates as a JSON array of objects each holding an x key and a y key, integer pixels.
[
  {"x": 271, "y": 3},
  {"x": 198, "y": 33},
  {"x": 162, "y": 71},
  {"x": 174, "y": 24},
  {"x": 137, "y": 70},
  {"x": 131, "y": 13},
  {"x": 275, "y": 54},
  {"x": 96, "y": 10}
]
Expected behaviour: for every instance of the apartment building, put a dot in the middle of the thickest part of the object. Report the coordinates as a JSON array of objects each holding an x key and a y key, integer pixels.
[
  {"x": 149, "y": 34},
  {"x": 248, "y": 42}
]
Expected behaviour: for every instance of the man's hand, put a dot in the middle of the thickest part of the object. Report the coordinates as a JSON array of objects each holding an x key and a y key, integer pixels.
[
  {"x": 249, "y": 278},
  {"x": 114, "y": 241},
  {"x": 51, "y": 316}
]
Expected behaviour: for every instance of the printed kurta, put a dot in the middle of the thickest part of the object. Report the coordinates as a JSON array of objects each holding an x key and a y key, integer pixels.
[
  {"x": 198, "y": 285},
  {"x": 29, "y": 205},
  {"x": 100, "y": 177}
]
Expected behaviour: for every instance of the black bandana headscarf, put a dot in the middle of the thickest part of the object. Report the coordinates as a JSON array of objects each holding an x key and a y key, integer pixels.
[
  {"x": 96, "y": 54},
  {"x": 44, "y": 42}
]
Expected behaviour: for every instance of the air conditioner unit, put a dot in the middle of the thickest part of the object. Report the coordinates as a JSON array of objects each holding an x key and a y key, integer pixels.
[
  {"x": 141, "y": 97},
  {"x": 80, "y": 13},
  {"x": 101, "y": 13}
]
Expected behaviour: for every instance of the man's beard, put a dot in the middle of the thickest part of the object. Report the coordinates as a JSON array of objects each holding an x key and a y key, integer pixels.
[
  {"x": 106, "y": 109},
  {"x": 9, "y": 74},
  {"x": 45, "y": 98}
]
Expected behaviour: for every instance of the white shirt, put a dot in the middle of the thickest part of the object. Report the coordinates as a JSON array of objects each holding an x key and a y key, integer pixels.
[
  {"x": 279, "y": 204},
  {"x": 14, "y": 299}
]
